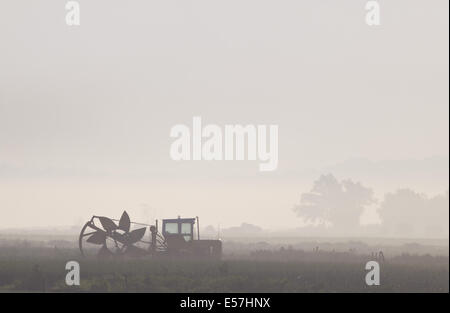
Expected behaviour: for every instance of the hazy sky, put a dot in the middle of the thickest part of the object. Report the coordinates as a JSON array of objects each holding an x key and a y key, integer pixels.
[{"x": 85, "y": 112}]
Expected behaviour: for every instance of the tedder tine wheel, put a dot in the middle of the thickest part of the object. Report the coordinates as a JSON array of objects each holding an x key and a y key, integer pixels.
[{"x": 103, "y": 237}]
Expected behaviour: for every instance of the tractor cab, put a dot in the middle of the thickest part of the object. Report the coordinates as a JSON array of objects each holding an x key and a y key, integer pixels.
[
  {"x": 179, "y": 227},
  {"x": 179, "y": 239}
]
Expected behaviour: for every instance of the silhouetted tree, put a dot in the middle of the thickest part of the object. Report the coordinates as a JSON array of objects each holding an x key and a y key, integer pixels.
[
  {"x": 409, "y": 213},
  {"x": 338, "y": 203}
]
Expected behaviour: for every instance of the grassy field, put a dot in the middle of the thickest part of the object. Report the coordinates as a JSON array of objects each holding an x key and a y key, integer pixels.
[{"x": 43, "y": 269}]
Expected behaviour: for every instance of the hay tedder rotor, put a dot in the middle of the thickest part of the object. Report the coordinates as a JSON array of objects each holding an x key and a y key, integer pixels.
[{"x": 106, "y": 237}]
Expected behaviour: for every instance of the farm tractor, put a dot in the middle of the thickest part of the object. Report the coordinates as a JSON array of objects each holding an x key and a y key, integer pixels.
[{"x": 106, "y": 237}]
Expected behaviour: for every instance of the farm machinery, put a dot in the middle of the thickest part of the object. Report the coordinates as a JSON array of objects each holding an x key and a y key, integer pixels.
[{"x": 106, "y": 237}]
